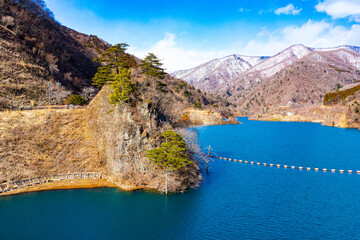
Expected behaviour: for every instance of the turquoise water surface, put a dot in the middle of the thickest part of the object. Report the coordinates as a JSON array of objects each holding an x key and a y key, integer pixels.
[{"x": 235, "y": 201}]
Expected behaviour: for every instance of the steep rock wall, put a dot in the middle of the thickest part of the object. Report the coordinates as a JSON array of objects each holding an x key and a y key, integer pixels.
[{"x": 124, "y": 134}]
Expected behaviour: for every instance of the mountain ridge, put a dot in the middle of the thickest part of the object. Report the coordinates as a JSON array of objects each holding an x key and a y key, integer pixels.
[
  {"x": 207, "y": 75},
  {"x": 295, "y": 81},
  {"x": 256, "y": 71}
]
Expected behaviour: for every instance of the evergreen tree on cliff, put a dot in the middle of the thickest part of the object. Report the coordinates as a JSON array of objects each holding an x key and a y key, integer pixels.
[
  {"x": 112, "y": 60},
  {"x": 115, "y": 70},
  {"x": 170, "y": 156},
  {"x": 151, "y": 66}
]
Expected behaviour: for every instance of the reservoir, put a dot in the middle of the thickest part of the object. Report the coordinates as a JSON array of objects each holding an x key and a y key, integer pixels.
[{"x": 234, "y": 201}]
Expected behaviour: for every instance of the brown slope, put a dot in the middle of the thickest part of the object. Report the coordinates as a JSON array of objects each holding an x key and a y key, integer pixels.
[
  {"x": 299, "y": 90},
  {"x": 303, "y": 83},
  {"x": 35, "y": 50}
]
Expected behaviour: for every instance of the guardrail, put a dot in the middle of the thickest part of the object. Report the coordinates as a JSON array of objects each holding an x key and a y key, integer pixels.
[{"x": 13, "y": 185}]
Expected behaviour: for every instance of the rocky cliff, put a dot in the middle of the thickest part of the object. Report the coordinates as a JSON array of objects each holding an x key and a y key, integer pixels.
[{"x": 106, "y": 138}]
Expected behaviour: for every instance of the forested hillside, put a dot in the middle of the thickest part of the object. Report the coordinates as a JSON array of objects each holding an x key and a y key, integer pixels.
[{"x": 36, "y": 51}]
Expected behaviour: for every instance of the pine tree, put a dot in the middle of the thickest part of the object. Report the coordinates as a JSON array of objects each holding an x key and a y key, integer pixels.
[
  {"x": 116, "y": 71},
  {"x": 170, "y": 156},
  {"x": 113, "y": 60},
  {"x": 151, "y": 66},
  {"x": 121, "y": 86}
]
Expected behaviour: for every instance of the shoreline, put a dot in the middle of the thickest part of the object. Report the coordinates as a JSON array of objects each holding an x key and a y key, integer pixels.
[
  {"x": 301, "y": 119},
  {"x": 66, "y": 184},
  {"x": 105, "y": 183},
  {"x": 78, "y": 184}
]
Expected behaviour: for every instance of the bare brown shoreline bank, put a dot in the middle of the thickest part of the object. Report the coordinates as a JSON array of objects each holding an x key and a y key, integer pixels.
[
  {"x": 63, "y": 184},
  {"x": 73, "y": 184},
  {"x": 341, "y": 124}
]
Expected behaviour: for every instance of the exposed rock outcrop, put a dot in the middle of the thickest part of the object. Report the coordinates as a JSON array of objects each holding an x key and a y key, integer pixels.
[{"x": 124, "y": 134}]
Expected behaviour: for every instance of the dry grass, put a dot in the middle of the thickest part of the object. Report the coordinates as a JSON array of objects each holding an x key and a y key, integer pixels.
[{"x": 42, "y": 142}]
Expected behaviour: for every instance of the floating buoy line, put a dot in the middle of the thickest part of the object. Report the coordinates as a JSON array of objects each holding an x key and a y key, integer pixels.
[{"x": 332, "y": 170}]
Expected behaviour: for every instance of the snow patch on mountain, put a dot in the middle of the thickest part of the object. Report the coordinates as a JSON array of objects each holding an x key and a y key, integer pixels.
[
  {"x": 281, "y": 60},
  {"x": 347, "y": 47},
  {"x": 211, "y": 75},
  {"x": 221, "y": 70}
]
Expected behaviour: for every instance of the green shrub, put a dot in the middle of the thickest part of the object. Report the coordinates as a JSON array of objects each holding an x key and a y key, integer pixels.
[
  {"x": 75, "y": 99},
  {"x": 335, "y": 97},
  {"x": 197, "y": 104},
  {"x": 187, "y": 93},
  {"x": 182, "y": 84},
  {"x": 160, "y": 87}
]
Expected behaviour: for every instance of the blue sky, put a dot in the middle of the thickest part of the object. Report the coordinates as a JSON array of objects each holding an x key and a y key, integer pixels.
[{"x": 187, "y": 33}]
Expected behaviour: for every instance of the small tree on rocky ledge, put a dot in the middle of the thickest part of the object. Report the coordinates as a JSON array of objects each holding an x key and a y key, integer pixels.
[{"x": 170, "y": 156}]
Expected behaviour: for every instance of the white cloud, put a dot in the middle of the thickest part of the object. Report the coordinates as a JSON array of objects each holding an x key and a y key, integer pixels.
[
  {"x": 175, "y": 57},
  {"x": 340, "y": 8},
  {"x": 288, "y": 10},
  {"x": 311, "y": 34},
  {"x": 267, "y": 43}
]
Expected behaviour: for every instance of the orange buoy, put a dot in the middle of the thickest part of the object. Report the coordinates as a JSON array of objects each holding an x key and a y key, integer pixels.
[
  {"x": 246, "y": 161},
  {"x": 285, "y": 166},
  {"x": 271, "y": 164},
  {"x": 230, "y": 159},
  {"x": 278, "y": 165},
  {"x": 235, "y": 160},
  {"x": 316, "y": 169},
  {"x": 240, "y": 160},
  {"x": 349, "y": 171},
  {"x": 225, "y": 159},
  {"x": 358, "y": 171},
  {"x": 220, "y": 157},
  {"x": 308, "y": 168},
  {"x": 300, "y": 168},
  {"x": 332, "y": 170},
  {"x": 264, "y": 164},
  {"x": 292, "y": 167},
  {"x": 341, "y": 171},
  {"x": 258, "y": 163},
  {"x": 324, "y": 169},
  {"x": 252, "y": 163}
]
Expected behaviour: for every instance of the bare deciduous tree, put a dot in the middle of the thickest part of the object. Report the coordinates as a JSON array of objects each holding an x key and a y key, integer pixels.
[{"x": 191, "y": 138}]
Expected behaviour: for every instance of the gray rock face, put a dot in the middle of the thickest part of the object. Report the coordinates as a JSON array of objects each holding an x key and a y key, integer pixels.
[{"x": 124, "y": 134}]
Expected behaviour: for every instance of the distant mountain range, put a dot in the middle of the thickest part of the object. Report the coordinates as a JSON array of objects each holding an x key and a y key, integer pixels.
[
  {"x": 210, "y": 75},
  {"x": 296, "y": 78}
]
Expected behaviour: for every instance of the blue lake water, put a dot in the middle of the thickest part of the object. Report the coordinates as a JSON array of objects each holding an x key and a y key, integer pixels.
[{"x": 235, "y": 201}]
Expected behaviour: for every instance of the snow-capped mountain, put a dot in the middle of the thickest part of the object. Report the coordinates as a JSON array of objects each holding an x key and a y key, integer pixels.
[
  {"x": 278, "y": 62},
  {"x": 296, "y": 78},
  {"x": 214, "y": 73},
  {"x": 243, "y": 71},
  {"x": 347, "y": 47}
]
